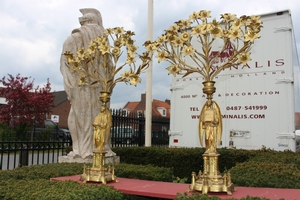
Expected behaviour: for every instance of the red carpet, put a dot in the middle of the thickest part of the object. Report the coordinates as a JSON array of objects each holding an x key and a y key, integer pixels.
[{"x": 169, "y": 190}]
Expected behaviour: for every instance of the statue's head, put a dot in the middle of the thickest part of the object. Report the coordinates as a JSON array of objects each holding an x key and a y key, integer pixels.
[{"x": 90, "y": 16}]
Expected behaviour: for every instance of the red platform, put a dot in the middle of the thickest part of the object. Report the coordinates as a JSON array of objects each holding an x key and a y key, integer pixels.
[{"x": 169, "y": 190}]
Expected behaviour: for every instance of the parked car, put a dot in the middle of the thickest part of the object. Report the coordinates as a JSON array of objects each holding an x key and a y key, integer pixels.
[
  {"x": 64, "y": 135},
  {"x": 123, "y": 135},
  {"x": 48, "y": 130}
]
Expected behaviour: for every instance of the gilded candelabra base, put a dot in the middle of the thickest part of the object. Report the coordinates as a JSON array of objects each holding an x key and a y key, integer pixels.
[
  {"x": 98, "y": 172},
  {"x": 211, "y": 180}
]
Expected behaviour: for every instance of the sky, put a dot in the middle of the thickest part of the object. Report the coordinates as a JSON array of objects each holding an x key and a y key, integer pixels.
[{"x": 32, "y": 33}]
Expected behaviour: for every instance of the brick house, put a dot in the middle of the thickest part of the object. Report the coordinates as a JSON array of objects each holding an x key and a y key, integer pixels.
[
  {"x": 133, "y": 117},
  {"x": 62, "y": 108},
  {"x": 160, "y": 109},
  {"x": 160, "y": 112}
]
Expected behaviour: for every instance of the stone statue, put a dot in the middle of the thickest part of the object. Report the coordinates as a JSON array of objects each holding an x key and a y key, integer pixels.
[
  {"x": 102, "y": 125},
  {"x": 210, "y": 126},
  {"x": 84, "y": 99}
]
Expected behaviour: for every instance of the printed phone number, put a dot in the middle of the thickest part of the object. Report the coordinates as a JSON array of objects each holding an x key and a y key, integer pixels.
[{"x": 262, "y": 107}]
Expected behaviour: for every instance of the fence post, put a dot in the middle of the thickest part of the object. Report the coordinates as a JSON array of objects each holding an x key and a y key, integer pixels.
[
  {"x": 141, "y": 130},
  {"x": 23, "y": 161}
]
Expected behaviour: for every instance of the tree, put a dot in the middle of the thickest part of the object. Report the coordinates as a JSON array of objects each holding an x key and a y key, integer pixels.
[{"x": 25, "y": 105}]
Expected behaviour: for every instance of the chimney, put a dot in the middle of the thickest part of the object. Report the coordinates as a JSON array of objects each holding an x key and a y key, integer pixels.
[
  {"x": 143, "y": 97},
  {"x": 168, "y": 101}
]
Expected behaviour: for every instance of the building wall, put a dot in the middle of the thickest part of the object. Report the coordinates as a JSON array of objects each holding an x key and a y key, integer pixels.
[
  {"x": 297, "y": 120},
  {"x": 62, "y": 110}
]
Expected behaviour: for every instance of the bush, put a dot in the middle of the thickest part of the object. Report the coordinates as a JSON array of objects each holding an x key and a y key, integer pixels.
[
  {"x": 256, "y": 168},
  {"x": 145, "y": 172},
  {"x": 180, "y": 160},
  {"x": 33, "y": 182},
  {"x": 45, "y": 172},
  {"x": 266, "y": 174},
  {"x": 259, "y": 168},
  {"x": 45, "y": 189},
  {"x": 230, "y": 157},
  {"x": 183, "y": 161}
]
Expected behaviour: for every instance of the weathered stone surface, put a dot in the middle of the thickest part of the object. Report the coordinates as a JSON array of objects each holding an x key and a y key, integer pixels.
[
  {"x": 85, "y": 103},
  {"x": 71, "y": 159}
]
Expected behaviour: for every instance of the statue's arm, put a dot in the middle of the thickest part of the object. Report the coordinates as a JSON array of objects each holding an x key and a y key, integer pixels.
[
  {"x": 70, "y": 81},
  {"x": 202, "y": 115},
  {"x": 216, "y": 117}
]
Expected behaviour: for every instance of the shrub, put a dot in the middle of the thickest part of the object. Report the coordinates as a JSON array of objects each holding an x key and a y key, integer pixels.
[
  {"x": 266, "y": 174},
  {"x": 45, "y": 189},
  {"x": 145, "y": 172},
  {"x": 33, "y": 182},
  {"x": 258, "y": 168}
]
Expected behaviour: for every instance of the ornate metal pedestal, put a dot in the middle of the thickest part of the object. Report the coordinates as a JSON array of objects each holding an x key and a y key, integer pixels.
[
  {"x": 211, "y": 180},
  {"x": 210, "y": 129},
  {"x": 102, "y": 125},
  {"x": 98, "y": 172}
]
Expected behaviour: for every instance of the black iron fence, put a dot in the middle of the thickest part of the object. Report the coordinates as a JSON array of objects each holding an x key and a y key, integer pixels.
[
  {"x": 129, "y": 130},
  {"x": 43, "y": 147},
  {"x": 17, "y": 154},
  {"x": 24, "y": 149}
]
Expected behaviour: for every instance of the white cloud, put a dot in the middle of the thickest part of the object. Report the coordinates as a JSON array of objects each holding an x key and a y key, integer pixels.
[
  {"x": 32, "y": 33},
  {"x": 30, "y": 53}
]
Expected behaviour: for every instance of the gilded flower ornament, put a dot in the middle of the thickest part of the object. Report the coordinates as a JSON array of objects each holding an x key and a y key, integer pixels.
[
  {"x": 173, "y": 69},
  {"x": 244, "y": 57},
  {"x": 188, "y": 51},
  {"x": 134, "y": 79},
  {"x": 177, "y": 43},
  {"x": 109, "y": 48},
  {"x": 162, "y": 55},
  {"x": 185, "y": 36}
]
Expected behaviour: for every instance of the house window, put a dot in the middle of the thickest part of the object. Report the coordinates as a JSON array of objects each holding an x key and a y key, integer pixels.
[
  {"x": 124, "y": 113},
  {"x": 162, "y": 111},
  {"x": 139, "y": 113}
]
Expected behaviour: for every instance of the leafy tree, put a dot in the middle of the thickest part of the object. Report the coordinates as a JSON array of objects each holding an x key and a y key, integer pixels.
[{"x": 26, "y": 105}]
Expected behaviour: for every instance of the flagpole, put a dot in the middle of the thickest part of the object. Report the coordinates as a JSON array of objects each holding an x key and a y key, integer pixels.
[{"x": 148, "y": 128}]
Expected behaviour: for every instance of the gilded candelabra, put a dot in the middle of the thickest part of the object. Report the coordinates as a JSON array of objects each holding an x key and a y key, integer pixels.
[
  {"x": 98, "y": 65},
  {"x": 178, "y": 47}
]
